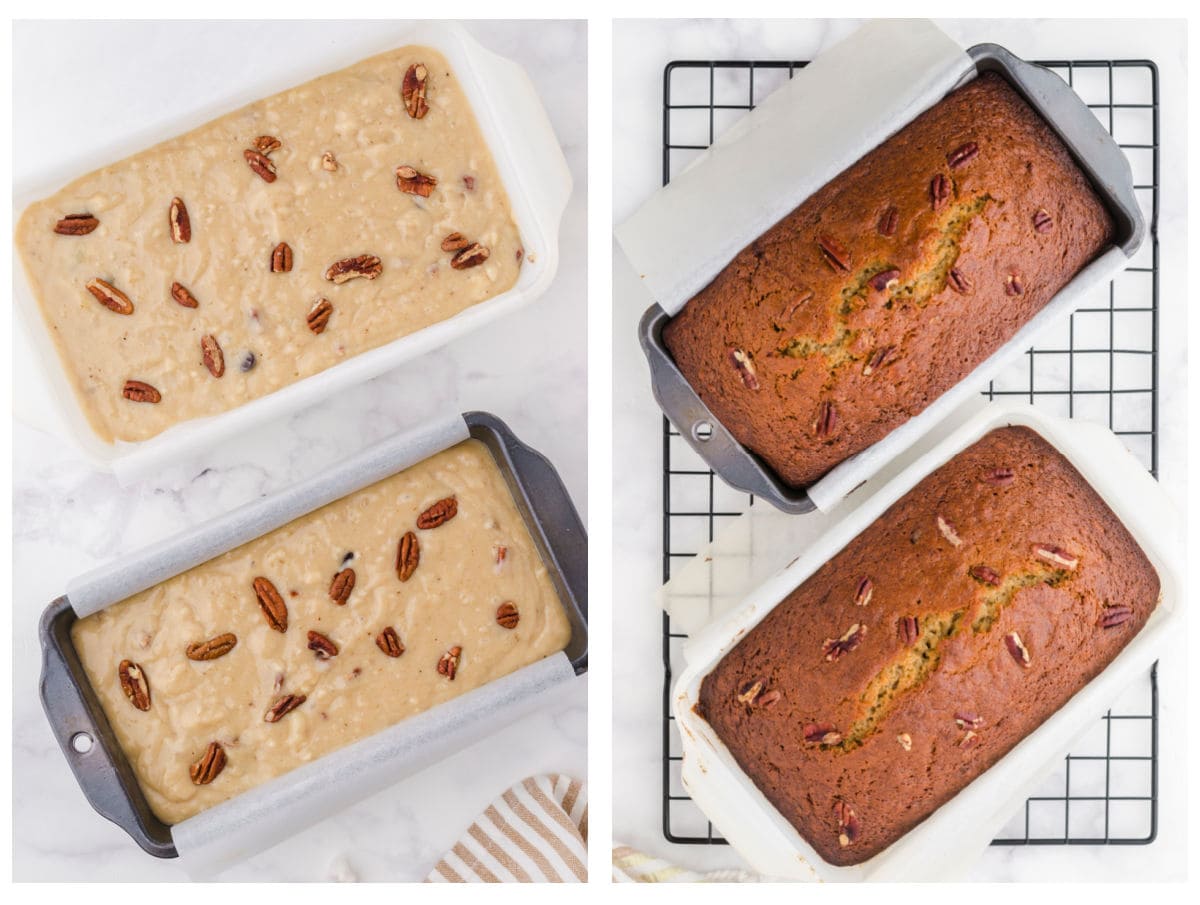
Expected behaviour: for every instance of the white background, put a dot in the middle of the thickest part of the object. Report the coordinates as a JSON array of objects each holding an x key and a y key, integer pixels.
[
  {"x": 643, "y": 49},
  {"x": 530, "y": 369}
]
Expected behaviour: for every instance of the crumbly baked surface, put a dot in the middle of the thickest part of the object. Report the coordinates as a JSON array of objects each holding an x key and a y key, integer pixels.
[
  {"x": 335, "y": 195},
  {"x": 891, "y": 283},
  {"x": 934, "y": 642},
  {"x": 478, "y": 586}
]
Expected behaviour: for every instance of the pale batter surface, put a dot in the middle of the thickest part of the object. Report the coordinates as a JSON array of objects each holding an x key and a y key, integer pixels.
[
  {"x": 237, "y": 219},
  {"x": 450, "y": 600}
]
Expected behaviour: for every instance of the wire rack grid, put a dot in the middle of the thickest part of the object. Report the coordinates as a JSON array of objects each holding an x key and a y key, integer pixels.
[{"x": 1102, "y": 366}]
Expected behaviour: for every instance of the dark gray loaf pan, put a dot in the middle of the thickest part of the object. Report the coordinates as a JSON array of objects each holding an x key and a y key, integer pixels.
[
  {"x": 1097, "y": 155},
  {"x": 87, "y": 739}
]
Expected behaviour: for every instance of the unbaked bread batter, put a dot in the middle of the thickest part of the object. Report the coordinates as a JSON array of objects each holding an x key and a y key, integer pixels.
[
  {"x": 469, "y": 567},
  {"x": 335, "y": 195}
]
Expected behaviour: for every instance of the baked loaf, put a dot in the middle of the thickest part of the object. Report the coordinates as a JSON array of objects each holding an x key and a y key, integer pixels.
[
  {"x": 891, "y": 283},
  {"x": 935, "y": 641}
]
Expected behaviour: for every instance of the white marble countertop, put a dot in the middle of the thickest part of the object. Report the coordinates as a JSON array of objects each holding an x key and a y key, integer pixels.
[
  {"x": 643, "y": 48},
  {"x": 529, "y": 369}
]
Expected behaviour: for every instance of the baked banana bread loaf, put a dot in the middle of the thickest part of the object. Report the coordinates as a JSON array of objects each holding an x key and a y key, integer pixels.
[
  {"x": 891, "y": 283},
  {"x": 935, "y": 641}
]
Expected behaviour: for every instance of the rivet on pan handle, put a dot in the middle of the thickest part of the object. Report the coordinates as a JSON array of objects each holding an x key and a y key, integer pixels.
[
  {"x": 701, "y": 429},
  {"x": 88, "y": 742}
]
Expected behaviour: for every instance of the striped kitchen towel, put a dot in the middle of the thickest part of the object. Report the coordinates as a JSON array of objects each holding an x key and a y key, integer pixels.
[{"x": 536, "y": 832}]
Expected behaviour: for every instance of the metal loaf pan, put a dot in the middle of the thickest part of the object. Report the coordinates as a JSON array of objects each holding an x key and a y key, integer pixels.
[
  {"x": 75, "y": 714},
  {"x": 1093, "y": 149}
]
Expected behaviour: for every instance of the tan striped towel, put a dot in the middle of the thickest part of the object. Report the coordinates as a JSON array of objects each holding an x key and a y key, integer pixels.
[
  {"x": 631, "y": 866},
  {"x": 536, "y": 832}
]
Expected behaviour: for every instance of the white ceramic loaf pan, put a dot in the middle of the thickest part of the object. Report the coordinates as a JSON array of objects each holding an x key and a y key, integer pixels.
[
  {"x": 531, "y": 165},
  {"x": 949, "y": 841}
]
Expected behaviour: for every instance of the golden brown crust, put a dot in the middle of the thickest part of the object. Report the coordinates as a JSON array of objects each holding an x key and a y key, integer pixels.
[
  {"x": 891, "y": 283},
  {"x": 965, "y": 693}
]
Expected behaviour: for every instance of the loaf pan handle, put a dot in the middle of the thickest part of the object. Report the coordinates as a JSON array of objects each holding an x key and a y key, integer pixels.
[
  {"x": 1094, "y": 149},
  {"x": 551, "y": 517},
  {"x": 76, "y": 718},
  {"x": 702, "y": 431}
]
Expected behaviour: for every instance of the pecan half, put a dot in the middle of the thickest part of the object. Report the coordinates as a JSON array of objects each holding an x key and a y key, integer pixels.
[
  {"x": 939, "y": 191},
  {"x": 76, "y": 225},
  {"x": 213, "y": 647},
  {"x": 260, "y": 164},
  {"x": 864, "y": 591},
  {"x": 985, "y": 574},
  {"x": 1114, "y": 614},
  {"x": 947, "y": 530},
  {"x": 1042, "y": 221},
  {"x": 962, "y": 155},
  {"x": 448, "y": 664},
  {"x": 183, "y": 296},
  {"x": 341, "y": 586},
  {"x": 389, "y": 642},
  {"x": 750, "y": 692},
  {"x": 140, "y": 391},
  {"x": 412, "y": 89},
  {"x": 282, "y": 706},
  {"x": 1017, "y": 648},
  {"x": 959, "y": 281},
  {"x": 834, "y": 253},
  {"x": 412, "y": 182},
  {"x": 803, "y": 297},
  {"x": 209, "y": 766},
  {"x": 455, "y": 242},
  {"x": 265, "y": 144},
  {"x": 110, "y": 296},
  {"x": 329, "y": 162},
  {"x": 1001, "y": 477},
  {"x": 1056, "y": 556},
  {"x": 408, "y": 556},
  {"x": 905, "y": 741},
  {"x": 826, "y": 420},
  {"x": 135, "y": 684},
  {"x": 321, "y": 645},
  {"x": 909, "y": 629},
  {"x": 471, "y": 256},
  {"x": 214, "y": 358},
  {"x": 822, "y": 734},
  {"x": 318, "y": 316},
  {"x": 847, "y": 820},
  {"x": 281, "y": 258},
  {"x": 878, "y": 359},
  {"x": 967, "y": 719},
  {"x": 745, "y": 368},
  {"x": 438, "y": 514},
  {"x": 271, "y": 603},
  {"x": 770, "y": 699},
  {"x": 888, "y": 221},
  {"x": 884, "y": 279},
  {"x": 366, "y": 266},
  {"x": 507, "y": 615},
  {"x": 1013, "y": 285},
  {"x": 181, "y": 224},
  {"x": 833, "y": 648}
]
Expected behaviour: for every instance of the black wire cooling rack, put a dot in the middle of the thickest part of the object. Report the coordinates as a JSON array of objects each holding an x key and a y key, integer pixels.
[{"x": 1102, "y": 366}]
